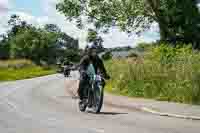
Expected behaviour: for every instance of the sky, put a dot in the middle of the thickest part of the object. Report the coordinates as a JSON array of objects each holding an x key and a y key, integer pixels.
[{"x": 40, "y": 12}]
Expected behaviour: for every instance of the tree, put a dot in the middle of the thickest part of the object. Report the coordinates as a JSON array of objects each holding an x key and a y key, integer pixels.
[
  {"x": 63, "y": 40},
  {"x": 17, "y": 25},
  {"x": 176, "y": 18},
  {"x": 34, "y": 44},
  {"x": 67, "y": 42},
  {"x": 92, "y": 35},
  {"x": 52, "y": 28},
  {"x": 27, "y": 41},
  {"x": 4, "y": 48},
  {"x": 45, "y": 44}
]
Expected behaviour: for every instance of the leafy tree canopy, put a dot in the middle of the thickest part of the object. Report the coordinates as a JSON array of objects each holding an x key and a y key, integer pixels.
[
  {"x": 176, "y": 18},
  {"x": 38, "y": 44}
]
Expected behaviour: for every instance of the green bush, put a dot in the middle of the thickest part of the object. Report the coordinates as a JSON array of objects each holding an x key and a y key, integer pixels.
[
  {"x": 107, "y": 56},
  {"x": 133, "y": 54},
  {"x": 166, "y": 73},
  {"x": 166, "y": 54},
  {"x": 144, "y": 46}
]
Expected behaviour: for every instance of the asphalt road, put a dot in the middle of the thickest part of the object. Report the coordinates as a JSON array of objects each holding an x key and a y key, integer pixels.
[{"x": 42, "y": 105}]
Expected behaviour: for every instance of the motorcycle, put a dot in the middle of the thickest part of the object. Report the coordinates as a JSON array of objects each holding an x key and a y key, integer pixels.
[
  {"x": 66, "y": 71},
  {"x": 94, "y": 91}
]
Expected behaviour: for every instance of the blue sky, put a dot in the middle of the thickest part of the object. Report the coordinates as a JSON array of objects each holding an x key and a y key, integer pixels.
[
  {"x": 32, "y": 6},
  {"x": 40, "y": 12}
]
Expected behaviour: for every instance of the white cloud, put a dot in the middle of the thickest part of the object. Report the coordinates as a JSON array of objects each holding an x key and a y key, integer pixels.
[
  {"x": 4, "y": 9},
  {"x": 4, "y": 6},
  {"x": 25, "y": 16},
  {"x": 29, "y": 18},
  {"x": 116, "y": 38}
]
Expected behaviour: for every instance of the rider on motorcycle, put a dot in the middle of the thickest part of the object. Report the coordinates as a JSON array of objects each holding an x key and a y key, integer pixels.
[{"x": 91, "y": 57}]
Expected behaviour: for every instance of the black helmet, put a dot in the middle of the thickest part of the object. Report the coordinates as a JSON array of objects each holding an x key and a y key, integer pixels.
[{"x": 90, "y": 49}]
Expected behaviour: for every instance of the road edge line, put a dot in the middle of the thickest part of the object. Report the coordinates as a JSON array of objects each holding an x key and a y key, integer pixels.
[{"x": 145, "y": 109}]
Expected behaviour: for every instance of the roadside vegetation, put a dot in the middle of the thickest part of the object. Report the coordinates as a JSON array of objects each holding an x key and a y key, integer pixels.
[
  {"x": 22, "y": 69},
  {"x": 28, "y": 51},
  {"x": 42, "y": 45},
  {"x": 162, "y": 73},
  {"x": 168, "y": 71}
]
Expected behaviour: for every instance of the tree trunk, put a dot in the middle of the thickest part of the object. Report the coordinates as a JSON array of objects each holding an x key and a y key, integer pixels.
[
  {"x": 154, "y": 6},
  {"x": 161, "y": 20}
]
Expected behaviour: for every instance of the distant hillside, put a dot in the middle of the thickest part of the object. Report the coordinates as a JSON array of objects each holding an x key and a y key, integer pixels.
[
  {"x": 122, "y": 52},
  {"x": 126, "y": 48}
]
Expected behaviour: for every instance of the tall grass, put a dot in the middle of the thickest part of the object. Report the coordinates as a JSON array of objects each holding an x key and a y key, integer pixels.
[
  {"x": 164, "y": 73},
  {"x": 16, "y": 64}
]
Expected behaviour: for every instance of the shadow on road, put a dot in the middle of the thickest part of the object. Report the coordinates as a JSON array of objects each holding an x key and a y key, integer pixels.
[
  {"x": 107, "y": 113},
  {"x": 112, "y": 113}
]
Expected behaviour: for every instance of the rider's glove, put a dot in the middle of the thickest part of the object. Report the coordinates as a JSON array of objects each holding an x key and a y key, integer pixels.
[{"x": 107, "y": 76}]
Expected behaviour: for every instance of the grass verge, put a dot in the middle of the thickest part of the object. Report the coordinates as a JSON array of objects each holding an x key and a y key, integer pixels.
[
  {"x": 21, "y": 69},
  {"x": 24, "y": 73}
]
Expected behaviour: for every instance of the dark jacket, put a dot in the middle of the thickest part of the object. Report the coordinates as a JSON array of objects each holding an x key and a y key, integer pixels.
[{"x": 96, "y": 61}]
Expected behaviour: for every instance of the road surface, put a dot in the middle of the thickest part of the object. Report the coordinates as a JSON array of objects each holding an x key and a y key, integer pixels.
[{"x": 41, "y": 105}]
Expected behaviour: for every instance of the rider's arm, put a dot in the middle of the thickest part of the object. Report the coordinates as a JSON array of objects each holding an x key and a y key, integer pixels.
[
  {"x": 101, "y": 66},
  {"x": 82, "y": 63}
]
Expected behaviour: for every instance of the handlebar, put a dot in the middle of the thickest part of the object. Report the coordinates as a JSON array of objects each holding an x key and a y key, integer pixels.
[{"x": 104, "y": 76}]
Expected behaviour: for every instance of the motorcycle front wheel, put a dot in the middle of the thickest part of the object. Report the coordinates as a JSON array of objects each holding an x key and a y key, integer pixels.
[{"x": 98, "y": 95}]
